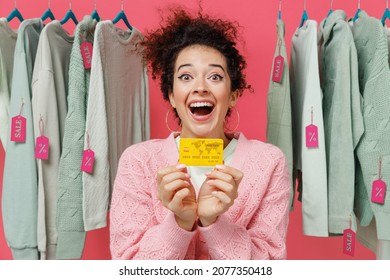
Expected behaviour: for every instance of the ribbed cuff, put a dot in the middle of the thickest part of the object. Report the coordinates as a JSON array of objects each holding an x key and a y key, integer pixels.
[
  {"x": 70, "y": 245},
  {"x": 383, "y": 225},
  {"x": 25, "y": 254}
]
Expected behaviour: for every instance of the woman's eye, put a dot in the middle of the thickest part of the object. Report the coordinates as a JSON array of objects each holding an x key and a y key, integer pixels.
[
  {"x": 216, "y": 77},
  {"x": 185, "y": 77}
]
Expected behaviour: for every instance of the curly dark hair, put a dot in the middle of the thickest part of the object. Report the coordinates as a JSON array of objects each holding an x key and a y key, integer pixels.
[{"x": 162, "y": 46}]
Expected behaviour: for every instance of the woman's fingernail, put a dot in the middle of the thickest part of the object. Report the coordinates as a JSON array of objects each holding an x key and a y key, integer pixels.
[
  {"x": 188, "y": 175},
  {"x": 180, "y": 166},
  {"x": 220, "y": 167}
]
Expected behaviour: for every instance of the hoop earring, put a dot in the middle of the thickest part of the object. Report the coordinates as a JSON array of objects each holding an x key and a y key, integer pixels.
[
  {"x": 166, "y": 122},
  {"x": 238, "y": 121}
]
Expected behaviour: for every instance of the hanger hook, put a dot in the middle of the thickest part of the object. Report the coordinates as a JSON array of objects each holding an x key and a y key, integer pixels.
[
  {"x": 95, "y": 4},
  {"x": 304, "y": 5},
  {"x": 359, "y": 4},
  {"x": 122, "y": 5},
  {"x": 70, "y": 5},
  {"x": 280, "y": 10},
  {"x": 48, "y": 4},
  {"x": 15, "y": 3},
  {"x": 331, "y": 4}
]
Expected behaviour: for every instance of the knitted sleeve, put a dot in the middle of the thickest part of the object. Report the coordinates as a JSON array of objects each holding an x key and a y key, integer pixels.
[
  {"x": 134, "y": 230},
  {"x": 265, "y": 235},
  {"x": 20, "y": 185},
  {"x": 96, "y": 184}
]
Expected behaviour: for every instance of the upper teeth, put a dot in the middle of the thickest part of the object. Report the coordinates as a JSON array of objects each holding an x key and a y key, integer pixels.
[{"x": 201, "y": 104}]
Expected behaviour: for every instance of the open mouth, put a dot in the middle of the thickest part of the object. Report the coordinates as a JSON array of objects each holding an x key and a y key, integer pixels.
[{"x": 201, "y": 108}]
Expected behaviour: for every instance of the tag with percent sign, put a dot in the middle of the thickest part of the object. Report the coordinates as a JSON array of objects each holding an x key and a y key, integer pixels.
[
  {"x": 201, "y": 151},
  {"x": 311, "y": 136},
  {"x": 42, "y": 148},
  {"x": 87, "y": 161},
  {"x": 378, "y": 191}
]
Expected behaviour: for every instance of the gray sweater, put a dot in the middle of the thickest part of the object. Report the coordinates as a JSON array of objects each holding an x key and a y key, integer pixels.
[
  {"x": 343, "y": 120},
  {"x": 279, "y": 124},
  {"x": 374, "y": 81}
]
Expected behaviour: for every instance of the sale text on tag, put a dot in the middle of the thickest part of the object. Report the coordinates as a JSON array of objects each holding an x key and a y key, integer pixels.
[{"x": 201, "y": 151}]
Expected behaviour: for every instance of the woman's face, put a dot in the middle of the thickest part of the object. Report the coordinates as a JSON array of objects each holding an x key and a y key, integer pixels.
[{"x": 202, "y": 92}]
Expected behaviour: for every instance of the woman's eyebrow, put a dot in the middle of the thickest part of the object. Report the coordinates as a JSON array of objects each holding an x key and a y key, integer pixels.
[
  {"x": 217, "y": 65},
  {"x": 184, "y": 65}
]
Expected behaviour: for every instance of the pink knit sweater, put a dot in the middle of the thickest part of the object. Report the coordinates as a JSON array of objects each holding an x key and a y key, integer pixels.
[{"x": 253, "y": 228}]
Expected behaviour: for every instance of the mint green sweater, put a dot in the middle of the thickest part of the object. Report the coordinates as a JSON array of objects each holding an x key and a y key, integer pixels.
[
  {"x": 20, "y": 186},
  {"x": 71, "y": 234},
  {"x": 374, "y": 81}
]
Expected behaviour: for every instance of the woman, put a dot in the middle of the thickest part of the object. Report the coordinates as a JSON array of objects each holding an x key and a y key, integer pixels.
[{"x": 164, "y": 210}]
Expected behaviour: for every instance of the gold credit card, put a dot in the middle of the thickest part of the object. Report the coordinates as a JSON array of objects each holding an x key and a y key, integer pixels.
[{"x": 201, "y": 151}]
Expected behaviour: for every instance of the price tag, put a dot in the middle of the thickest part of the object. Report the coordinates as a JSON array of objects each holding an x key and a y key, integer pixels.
[
  {"x": 201, "y": 151},
  {"x": 312, "y": 136},
  {"x": 349, "y": 237},
  {"x": 86, "y": 52},
  {"x": 42, "y": 148},
  {"x": 378, "y": 191},
  {"x": 18, "y": 129},
  {"x": 278, "y": 69},
  {"x": 88, "y": 161}
]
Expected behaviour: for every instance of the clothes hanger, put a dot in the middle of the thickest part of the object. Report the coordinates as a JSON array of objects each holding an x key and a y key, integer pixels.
[
  {"x": 122, "y": 16},
  {"x": 386, "y": 14},
  {"x": 48, "y": 13},
  {"x": 304, "y": 15},
  {"x": 280, "y": 10},
  {"x": 15, "y": 14},
  {"x": 357, "y": 12},
  {"x": 95, "y": 14},
  {"x": 331, "y": 8},
  {"x": 69, "y": 15}
]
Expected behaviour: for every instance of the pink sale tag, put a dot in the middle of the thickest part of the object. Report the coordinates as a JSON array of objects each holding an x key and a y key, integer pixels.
[
  {"x": 86, "y": 53},
  {"x": 378, "y": 191},
  {"x": 88, "y": 161},
  {"x": 18, "y": 129},
  {"x": 311, "y": 136},
  {"x": 42, "y": 147},
  {"x": 278, "y": 69},
  {"x": 349, "y": 242}
]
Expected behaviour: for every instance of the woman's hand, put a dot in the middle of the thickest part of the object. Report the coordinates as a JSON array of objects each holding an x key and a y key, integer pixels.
[
  {"x": 178, "y": 195},
  {"x": 218, "y": 193}
]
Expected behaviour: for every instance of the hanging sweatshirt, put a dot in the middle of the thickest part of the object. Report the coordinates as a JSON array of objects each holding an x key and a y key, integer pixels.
[
  {"x": 343, "y": 120},
  {"x": 20, "y": 186},
  {"x": 7, "y": 50},
  {"x": 117, "y": 115},
  {"x": 70, "y": 225},
  {"x": 49, "y": 91},
  {"x": 279, "y": 123},
  {"x": 306, "y": 98},
  {"x": 373, "y": 150}
]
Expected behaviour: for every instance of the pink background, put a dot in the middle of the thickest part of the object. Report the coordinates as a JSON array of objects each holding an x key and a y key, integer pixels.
[{"x": 258, "y": 19}]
